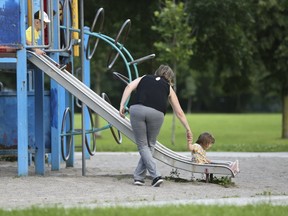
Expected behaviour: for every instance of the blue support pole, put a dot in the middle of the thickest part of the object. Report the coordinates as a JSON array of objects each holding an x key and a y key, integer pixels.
[
  {"x": 39, "y": 123},
  {"x": 70, "y": 103},
  {"x": 57, "y": 107},
  {"x": 86, "y": 81},
  {"x": 82, "y": 54},
  {"x": 22, "y": 114},
  {"x": 57, "y": 103}
]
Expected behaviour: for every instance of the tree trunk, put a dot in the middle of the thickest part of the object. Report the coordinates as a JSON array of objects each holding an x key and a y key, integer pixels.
[
  {"x": 173, "y": 120},
  {"x": 189, "y": 104},
  {"x": 285, "y": 117}
]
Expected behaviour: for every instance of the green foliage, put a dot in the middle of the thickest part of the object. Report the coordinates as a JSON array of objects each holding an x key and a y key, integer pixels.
[
  {"x": 230, "y": 41},
  {"x": 271, "y": 35},
  {"x": 225, "y": 181},
  {"x": 175, "y": 44},
  {"x": 237, "y": 44},
  {"x": 223, "y": 53}
]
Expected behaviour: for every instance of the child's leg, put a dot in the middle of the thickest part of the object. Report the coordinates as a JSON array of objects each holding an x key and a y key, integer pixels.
[{"x": 235, "y": 167}]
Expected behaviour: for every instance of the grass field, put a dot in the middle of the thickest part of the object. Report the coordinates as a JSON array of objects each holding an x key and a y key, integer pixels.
[
  {"x": 233, "y": 132},
  {"x": 199, "y": 210}
]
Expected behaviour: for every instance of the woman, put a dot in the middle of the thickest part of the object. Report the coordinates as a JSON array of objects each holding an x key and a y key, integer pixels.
[{"x": 147, "y": 115}]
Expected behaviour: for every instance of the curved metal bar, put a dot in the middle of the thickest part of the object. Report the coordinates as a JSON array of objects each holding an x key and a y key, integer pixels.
[
  {"x": 140, "y": 60},
  {"x": 99, "y": 12},
  {"x": 110, "y": 41},
  {"x": 129, "y": 57},
  {"x": 65, "y": 156},
  {"x": 128, "y": 24},
  {"x": 121, "y": 77},
  {"x": 119, "y": 138},
  {"x": 67, "y": 7},
  {"x": 92, "y": 153}
]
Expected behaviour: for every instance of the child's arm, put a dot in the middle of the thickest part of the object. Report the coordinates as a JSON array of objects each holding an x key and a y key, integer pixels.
[{"x": 190, "y": 147}]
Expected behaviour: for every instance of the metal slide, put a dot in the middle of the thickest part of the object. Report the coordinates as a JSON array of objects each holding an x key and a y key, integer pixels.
[{"x": 111, "y": 115}]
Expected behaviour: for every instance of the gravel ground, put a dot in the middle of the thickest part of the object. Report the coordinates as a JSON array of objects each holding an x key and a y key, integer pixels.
[{"x": 108, "y": 181}]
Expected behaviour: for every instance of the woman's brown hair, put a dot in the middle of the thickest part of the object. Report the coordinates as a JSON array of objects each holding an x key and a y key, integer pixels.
[{"x": 166, "y": 72}]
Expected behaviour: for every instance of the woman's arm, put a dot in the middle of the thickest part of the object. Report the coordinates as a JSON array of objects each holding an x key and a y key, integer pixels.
[
  {"x": 173, "y": 99},
  {"x": 127, "y": 92}
]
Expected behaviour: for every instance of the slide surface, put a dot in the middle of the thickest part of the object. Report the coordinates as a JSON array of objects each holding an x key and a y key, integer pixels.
[{"x": 111, "y": 115}]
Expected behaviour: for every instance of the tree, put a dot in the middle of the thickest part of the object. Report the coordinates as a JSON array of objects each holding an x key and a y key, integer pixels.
[
  {"x": 245, "y": 44},
  {"x": 175, "y": 44},
  {"x": 271, "y": 40},
  {"x": 223, "y": 54}
]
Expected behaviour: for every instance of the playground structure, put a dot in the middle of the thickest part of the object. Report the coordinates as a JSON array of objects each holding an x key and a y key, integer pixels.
[{"x": 51, "y": 131}]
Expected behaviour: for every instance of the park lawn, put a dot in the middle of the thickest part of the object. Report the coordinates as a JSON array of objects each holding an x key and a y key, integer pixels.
[
  {"x": 199, "y": 210},
  {"x": 233, "y": 132}
]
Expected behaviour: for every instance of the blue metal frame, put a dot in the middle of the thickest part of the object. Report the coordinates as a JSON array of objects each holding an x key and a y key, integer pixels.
[
  {"x": 39, "y": 123},
  {"x": 59, "y": 98},
  {"x": 86, "y": 81},
  {"x": 22, "y": 115}
]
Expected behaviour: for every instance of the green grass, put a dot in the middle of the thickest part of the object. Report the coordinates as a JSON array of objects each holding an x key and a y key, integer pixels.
[
  {"x": 233, "y": 132},
  {"x": 199, "y": 210}
]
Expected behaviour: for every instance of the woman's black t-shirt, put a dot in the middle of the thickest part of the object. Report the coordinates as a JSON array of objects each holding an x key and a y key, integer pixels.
[{"x": 153, "y": 91}]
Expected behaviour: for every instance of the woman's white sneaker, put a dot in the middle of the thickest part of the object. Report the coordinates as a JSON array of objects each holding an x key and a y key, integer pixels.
[{"x": 139, "y": 182}]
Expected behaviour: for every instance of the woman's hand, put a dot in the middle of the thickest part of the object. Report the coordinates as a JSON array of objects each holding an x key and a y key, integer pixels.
[
  {"x": 122, "y": 111},
  {"x": 189, "y": 137}
]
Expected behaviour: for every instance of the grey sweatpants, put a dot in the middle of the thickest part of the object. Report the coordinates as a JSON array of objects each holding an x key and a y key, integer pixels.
[{"x": 146, "y": 123}]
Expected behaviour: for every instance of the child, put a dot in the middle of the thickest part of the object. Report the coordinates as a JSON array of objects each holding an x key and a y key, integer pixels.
[
  {"x": 37, "y": 26},
  {"x": 198, "y": 151}
]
